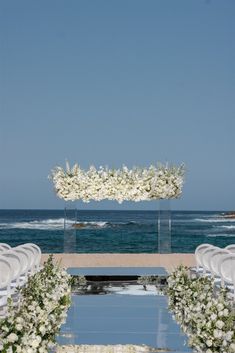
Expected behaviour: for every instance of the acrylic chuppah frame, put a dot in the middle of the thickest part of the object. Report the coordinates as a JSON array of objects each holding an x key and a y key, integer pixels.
[
  {"x": 70, "y": 234},
  {"x": 163, "y": 227}
]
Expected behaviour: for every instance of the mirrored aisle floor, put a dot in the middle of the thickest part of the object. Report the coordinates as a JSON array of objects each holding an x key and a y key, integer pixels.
[{"x": 122, "y": 319}]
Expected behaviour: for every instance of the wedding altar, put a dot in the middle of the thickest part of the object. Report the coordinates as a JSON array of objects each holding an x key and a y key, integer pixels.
[{"x": 162, "y": 182}]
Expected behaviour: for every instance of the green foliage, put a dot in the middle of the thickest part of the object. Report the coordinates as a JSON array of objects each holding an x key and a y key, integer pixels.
[{"x": 78, "y": 281}]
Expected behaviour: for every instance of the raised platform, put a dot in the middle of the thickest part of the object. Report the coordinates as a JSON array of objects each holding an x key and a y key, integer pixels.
[
  {"x": 117, "y": 271},
  {"x": 167, "y": 261}
]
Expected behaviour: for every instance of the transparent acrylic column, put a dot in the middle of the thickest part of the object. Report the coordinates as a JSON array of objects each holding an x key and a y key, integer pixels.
[
  {"x": 164, "y": 227},
  {"x": 70, "y": 219}
]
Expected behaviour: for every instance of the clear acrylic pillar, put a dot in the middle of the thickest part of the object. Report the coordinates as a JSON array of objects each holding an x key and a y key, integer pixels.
[
  {"x": 164, "y": 227},
  {"x": 70, "y": 220}
]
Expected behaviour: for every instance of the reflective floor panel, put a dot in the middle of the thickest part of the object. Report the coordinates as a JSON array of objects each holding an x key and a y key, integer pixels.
[{"x": 122, "y": 319}]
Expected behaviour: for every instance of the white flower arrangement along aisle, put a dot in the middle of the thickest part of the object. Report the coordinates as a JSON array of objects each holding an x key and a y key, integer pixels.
[
  {"x": 32, "y": 325},
  {"x": 128, "y": 348},
  {"x": 208, "y": 318},
  {"x": 137, "y": 184}
]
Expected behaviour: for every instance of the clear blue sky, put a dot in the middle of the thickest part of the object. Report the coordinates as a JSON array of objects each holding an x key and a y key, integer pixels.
[{"x": 113, "y": 82}]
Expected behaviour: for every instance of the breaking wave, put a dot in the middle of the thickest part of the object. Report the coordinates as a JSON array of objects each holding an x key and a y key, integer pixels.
[
  {"x": 214, "y": 220},
  {"x": 58, "y": 224},
  {"x": 220, "y": 235},
  {"x": 49, "y": 224},
  {"x": 228, "y": 227}
]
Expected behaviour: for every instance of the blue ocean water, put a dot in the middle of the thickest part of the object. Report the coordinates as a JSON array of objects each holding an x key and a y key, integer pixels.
[{"x": 114, "y": 231}]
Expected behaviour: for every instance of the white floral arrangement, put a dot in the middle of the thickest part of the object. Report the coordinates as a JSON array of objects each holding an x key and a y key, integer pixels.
[
  {"x": 128, "y": 348},
  {"x": 31, "y": 326},
  {"x": 208, "y": 318},
  {"x": 137, "y": 184}
]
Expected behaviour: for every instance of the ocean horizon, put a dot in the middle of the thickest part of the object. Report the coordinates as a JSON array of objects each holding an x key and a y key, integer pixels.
[{"x": 113, "y": 231}]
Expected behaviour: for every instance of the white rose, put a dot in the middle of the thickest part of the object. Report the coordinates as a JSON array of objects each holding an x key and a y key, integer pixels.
[
  {"x": 209, "y": 343},
  {"x": 19, "y": 327},
  {"x": 42, "y": 329},
  {"x": 19, "y": 320},
  {"x": 5, "y": 328},
  {"x": 42, "y": 350},
  {"x": 219, "y": 324},
  {"x": 232, "y": 347},
  {"x": 29, "y": 350},
  {"x": 225, "y": 343},
  {"x": 220, "y": 307},
  {"x": 35, "y": 343},
  {"x": 213, "y": 317},
  {"x": 218, "y": 333},
  {"x": 229, "y": 335},
  {"x": 225, "y": 312},
  {"x": 221, "y": 313},
  {"x": 12, "y": 337}
]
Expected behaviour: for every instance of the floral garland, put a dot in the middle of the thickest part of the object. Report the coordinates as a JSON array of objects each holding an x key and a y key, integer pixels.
[
  {"x": 32, "y": 325},
  {"x": 207, "y": 319},
  {"x": 138, "y": 184},
  {"x": 129, "y": 348}
]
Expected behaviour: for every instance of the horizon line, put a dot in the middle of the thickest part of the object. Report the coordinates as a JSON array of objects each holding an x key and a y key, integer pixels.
[{"x": 102, "y": 210}]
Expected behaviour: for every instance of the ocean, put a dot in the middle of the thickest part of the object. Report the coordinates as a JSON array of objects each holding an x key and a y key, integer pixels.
[{"x": 114, "y": 231}]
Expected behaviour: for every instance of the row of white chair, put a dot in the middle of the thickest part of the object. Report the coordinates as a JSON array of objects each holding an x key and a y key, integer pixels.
[
  {"x": 16, "y": 264},
  {"x": 218, "y": 263}
]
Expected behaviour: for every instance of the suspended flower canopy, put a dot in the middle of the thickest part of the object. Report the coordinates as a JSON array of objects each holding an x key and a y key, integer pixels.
[{"x": 137, "y": 184}]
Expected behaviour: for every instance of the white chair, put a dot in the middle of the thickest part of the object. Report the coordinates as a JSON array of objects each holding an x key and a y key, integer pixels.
[
  {"x": 6, "y": 274},
  {"x": 198, "y": 253},
  {"x": 4, "y": 246},
  {"x": 214, "y": 261},
  {"x": 205, "y": 258},
  {"x": 227, "y": 271},
  {"x": 15, "y": 262},
  {"x": 37, "y": 255},
  {"x": 26, "y": 260},
  {"x": 231, "y": 248}
]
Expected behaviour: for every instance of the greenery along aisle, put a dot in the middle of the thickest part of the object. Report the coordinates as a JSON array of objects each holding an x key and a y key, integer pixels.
[
  {"x": 31, "y": 327},
  {"x": 207, "y": 318}
]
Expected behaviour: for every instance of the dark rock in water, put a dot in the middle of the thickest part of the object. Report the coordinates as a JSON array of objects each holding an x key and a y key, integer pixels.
[
  {"x": 229, "y": 215},
  {"x": 79, "y": 225}
]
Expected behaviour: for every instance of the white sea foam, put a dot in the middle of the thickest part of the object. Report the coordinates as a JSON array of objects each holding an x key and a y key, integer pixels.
[
  {"x": 228, "y": 227},
  {"x": 49, "y": 224},
  {"x": 221, "y": 235},
  {"x": 94, "y": 224},
  {"x": 214, "y": 220}
]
